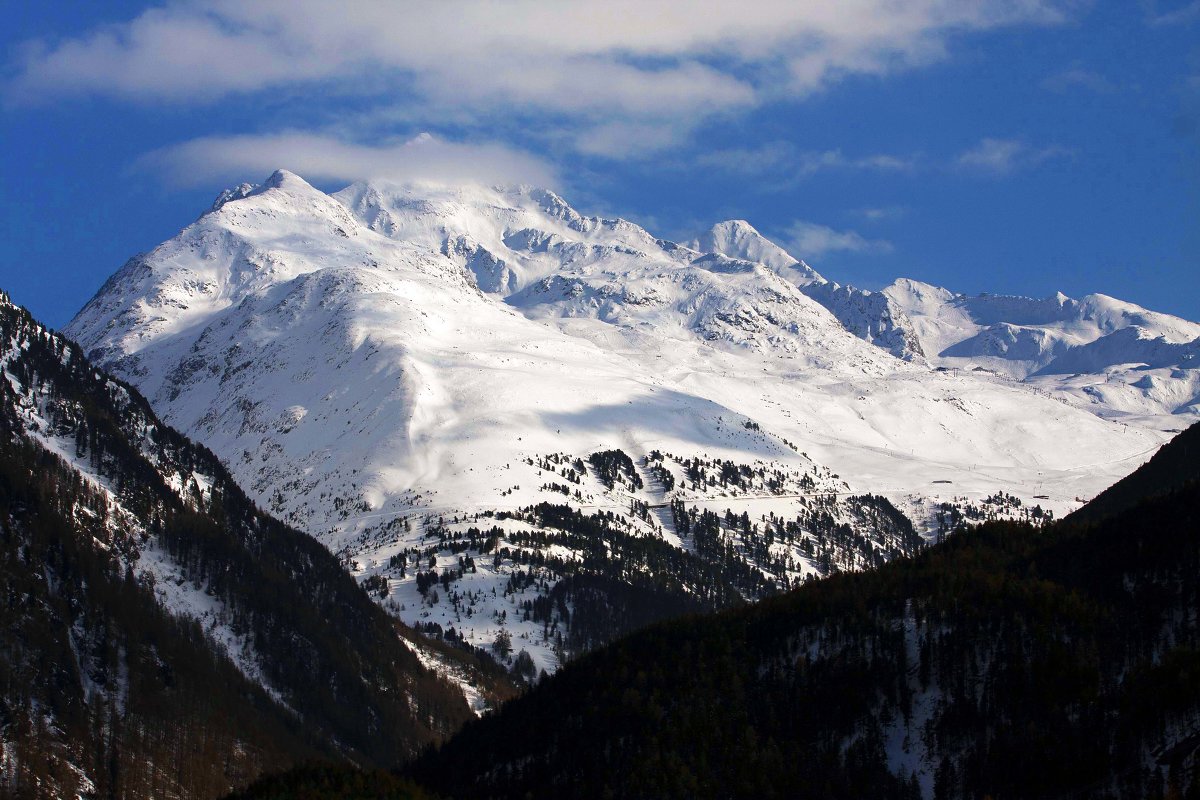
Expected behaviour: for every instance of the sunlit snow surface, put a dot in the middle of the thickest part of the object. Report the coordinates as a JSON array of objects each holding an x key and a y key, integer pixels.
[{"x": 404, "y": 353}]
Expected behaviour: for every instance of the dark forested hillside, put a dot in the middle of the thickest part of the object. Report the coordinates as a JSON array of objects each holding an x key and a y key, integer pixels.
[
  {"x": 331, "y": 782},
  {"x": 1009, "y": 662},
  {"x": 1175, "y": 465},
  {"x": 159, "y": 635}
]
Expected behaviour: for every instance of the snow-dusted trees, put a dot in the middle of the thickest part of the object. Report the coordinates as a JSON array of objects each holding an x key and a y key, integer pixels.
[{"x": 502, "y": 646}]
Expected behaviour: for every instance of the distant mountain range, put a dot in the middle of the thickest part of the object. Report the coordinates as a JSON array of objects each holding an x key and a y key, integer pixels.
[
  {"x": 1116, "y": 358},
  {"x": 418, "y": 374}
]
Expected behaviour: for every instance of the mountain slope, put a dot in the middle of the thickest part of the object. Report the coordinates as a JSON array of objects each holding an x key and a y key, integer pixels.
[
  {"x": 871, "y": 316},
  {"x": 330, "y": 782},
  {"x": 1117, "y": 358},
  {"x": 1112, "y": 357},
  {"x": 162, "y": 636},
  {"x": 409, "y": 373},
  {"x": 1172, "y": 468},
  {"x": 737, "y": 238},
  {"x": 1070, "y": 651}
]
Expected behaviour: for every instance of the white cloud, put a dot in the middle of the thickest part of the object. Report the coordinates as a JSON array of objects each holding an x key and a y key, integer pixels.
[
  {"x": 601, "y": 69},
  {"x": 626, "y": 138},
  {"x": 1184, "y": 14},
  {"x": 326, "y": 158},
  {"x": 1001, "y": 156},
  {"x": 881, "y": 213},
  {"x": 811, "y": 240},
  {"x": 784, "y": 161},
  {"x": 1080, "y": 78}
]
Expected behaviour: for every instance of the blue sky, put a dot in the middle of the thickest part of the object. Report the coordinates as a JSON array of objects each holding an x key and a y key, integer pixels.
[{"x": 1012, "y": 146}]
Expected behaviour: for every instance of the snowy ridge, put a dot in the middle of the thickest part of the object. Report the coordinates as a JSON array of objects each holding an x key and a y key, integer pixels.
[
  {"x": 737, "y": 238},
  {"x": 378, "y": 363},
  {"x": 1109, "y": 356},
  {"x": 1114, "y": 358},
  {"x": 871, "y": 316}
]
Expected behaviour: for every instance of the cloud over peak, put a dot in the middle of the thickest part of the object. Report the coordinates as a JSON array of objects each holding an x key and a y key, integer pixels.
[
  {"x": 809, "y": 240},
  {"x": 318, "y": 157},
  {"x": 588, "y": 66}
]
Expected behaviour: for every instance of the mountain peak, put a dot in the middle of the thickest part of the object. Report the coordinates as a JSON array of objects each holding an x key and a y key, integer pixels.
[
  {"x": 283, "y": 179},
  {"x": 279, "y": 179},
  {"x": 737, "y": 238},
  {"x": 735, "y": 227}
]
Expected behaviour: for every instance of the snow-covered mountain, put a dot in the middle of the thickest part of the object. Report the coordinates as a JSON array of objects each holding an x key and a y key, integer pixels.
[
  {"x": 1115, "y": 358},
  {"x": 871, "y": 316},
  {"x": 737, "y": 238},
  {"x": 423, "y": 375}
]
